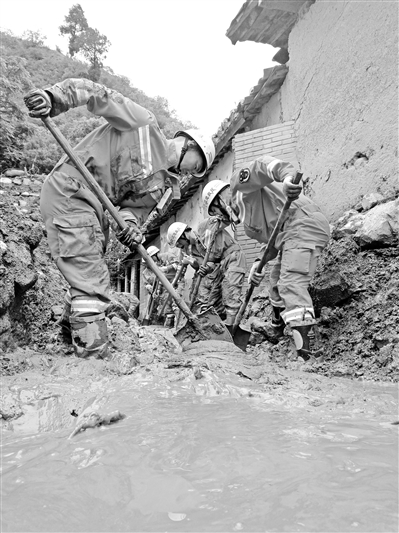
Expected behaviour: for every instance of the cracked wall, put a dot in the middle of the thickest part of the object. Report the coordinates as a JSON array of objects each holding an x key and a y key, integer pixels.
[{"x": 341, "y": 91}]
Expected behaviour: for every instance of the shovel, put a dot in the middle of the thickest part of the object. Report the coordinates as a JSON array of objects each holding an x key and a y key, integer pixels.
[
  {"x": 200, "y": 328},
  {"x": 209, "y": 317},
  {"x": 239, "y": 333},
  {"x": 150, "y": 304}
]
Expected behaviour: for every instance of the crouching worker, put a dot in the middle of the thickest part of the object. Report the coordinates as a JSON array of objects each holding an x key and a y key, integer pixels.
[
  {"x": 223, "y": 275},
  {"x": 258, "y": 194},
  {"x": 134, "y": 163}
]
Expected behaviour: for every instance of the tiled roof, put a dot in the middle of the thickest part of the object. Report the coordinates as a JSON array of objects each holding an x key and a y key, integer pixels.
[
  {"x": 266, "y": 21},
  {"x": 241, "y": 116}
]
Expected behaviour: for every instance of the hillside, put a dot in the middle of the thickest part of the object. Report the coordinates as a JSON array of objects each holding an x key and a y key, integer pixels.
[{"x": 25, "y": 143}]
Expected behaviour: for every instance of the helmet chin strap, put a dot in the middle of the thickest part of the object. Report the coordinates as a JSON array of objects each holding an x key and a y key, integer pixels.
[
  {"x": 186, "y": 146},
  {"x": 228, "y": 211}
]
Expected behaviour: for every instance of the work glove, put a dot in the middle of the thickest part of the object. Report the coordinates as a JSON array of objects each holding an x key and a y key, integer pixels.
[
  {"x": 38, "y": 102},
  {"x": 131, "y": 235},
  {"x": 204, "y": 270},
  {"x": 187, "y": 260},
  {"x": 149, "y": 288},
  {"x": 254, "y": 277},
  {"x": 290, "y": 190}
]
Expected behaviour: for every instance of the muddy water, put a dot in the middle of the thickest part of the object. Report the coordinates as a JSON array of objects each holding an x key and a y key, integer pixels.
[{"x": 194, "y": 456}]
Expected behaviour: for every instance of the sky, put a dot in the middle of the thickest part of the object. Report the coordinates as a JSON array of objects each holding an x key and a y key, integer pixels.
[{"x": 176, "y": 49}]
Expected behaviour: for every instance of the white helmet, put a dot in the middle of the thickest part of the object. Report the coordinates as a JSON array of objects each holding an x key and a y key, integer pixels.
[
  {"x": 175, "y": 231},
  {"x": 205, "y": 144},
  {"x": 152, "y": 250},
  {"x": 211, "y": 190}
]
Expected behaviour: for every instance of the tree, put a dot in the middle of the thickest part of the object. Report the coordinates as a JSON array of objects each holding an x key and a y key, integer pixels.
[
  {"x": 14, "y": 81},
  {"x": 76, "y": 24},
  {"x": 93, "y": 45},
  {"x": 35, "y": 38}
]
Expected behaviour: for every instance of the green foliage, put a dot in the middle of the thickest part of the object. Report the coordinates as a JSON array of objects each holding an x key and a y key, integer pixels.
[
  {"x": 85, "y": 40},
  {"x": 93, "y": 46},
  {"x": 14, "y": 80},
  {"x": 75, "y": 24},
  {"x": 24, "y": 142},
  {"x": 34, "y": 38}
]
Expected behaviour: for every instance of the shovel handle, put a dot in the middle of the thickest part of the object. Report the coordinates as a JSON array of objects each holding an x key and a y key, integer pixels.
[
  {"x": 267, "y": 254},
  {"x": 100, "y": 194},
  {"x": 197, "y": 282},
  {"x": 181, "y": 271}
]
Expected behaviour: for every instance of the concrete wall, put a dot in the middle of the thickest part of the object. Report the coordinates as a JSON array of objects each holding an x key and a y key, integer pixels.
[{"x": 341, "y": 91}]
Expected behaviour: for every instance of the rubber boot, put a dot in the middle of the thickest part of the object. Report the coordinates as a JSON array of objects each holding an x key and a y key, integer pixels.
[
  {"x": 305, "y": 342},
  {"x": 90, "y": 336},
  {"x": 278, "y": 323}
]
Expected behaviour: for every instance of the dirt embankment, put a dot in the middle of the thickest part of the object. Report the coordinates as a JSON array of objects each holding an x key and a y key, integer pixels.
[{"x": 355, "y": 290}]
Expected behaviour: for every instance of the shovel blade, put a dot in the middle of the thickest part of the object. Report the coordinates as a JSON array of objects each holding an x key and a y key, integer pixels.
[
  {"x": 241, "y": 337},
  {"x": 211, "y": 326}
]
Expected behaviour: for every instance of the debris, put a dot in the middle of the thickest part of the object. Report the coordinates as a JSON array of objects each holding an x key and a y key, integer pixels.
[{"x": 94, "y": 419}]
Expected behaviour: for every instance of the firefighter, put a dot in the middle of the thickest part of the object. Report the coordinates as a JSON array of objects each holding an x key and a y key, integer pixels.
[
  {"x": 257, "y": 195},
  {"x": 134, "y": 164},
  {"x": 223, "y": 275},
  {"x": 168, "y": 263}
]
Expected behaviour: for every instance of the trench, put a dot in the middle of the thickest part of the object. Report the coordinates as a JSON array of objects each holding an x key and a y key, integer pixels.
[{"x": 219, "y": 453}]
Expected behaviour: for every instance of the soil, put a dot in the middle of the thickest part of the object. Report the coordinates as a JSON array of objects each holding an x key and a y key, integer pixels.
[{"x": 355, "y": 291}]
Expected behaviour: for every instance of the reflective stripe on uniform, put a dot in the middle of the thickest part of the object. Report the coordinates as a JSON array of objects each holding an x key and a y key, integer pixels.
[
  {"x": 240, "y": 205},
  {"x": 145, "y": 149},
  {"x": 87, "y": 306},
  {"x": 298, "y": 314}
]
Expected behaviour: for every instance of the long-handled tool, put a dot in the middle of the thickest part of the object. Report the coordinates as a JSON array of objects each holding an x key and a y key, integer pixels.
[
  {"x": 182, "y": 330},
  {"x": 180, "y": 273},
  {"x": 150, "y": 303},
  {"x": 208, "y": 252},
  {"x": 199, "y": 323},
  {"x": 240, "y": 334}
]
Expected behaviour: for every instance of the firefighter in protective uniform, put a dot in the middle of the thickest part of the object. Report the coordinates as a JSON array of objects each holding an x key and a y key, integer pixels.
[
  {"x": 223, "y": 276},
  {"x": 168, "y": 264},
  {"x": 258, "y": 193},
  {"x": 134, "y": 164}
]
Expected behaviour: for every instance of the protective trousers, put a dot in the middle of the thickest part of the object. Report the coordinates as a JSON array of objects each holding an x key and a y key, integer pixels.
[
  {"x": 77, "y": 234},
  {"x": 222, "y": 288}
]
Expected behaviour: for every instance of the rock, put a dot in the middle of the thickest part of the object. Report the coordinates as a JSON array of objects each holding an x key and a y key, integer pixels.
[
  {"x": 351, "y": 227},
  {"x": 371, "y": 200},
  {"x": 380, "y": 226},
  {"x": 123, "y": 305},
  {"x": 26, "y": 182},
  {"x": 17, "y": 181},
  {"x": 24, "y": 280},
  {"x": 5, "y": 182},
  {"x": 3, "y": 248},
  {"x": 12, "y": 173},
  {"x": 329, "y": 290}
]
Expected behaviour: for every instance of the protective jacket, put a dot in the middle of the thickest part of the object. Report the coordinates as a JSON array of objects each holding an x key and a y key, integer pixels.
[
  {"x": 259, "y": 197},
  {"x": 222, "y": 287},
  {"x": 128, "y": 155}
]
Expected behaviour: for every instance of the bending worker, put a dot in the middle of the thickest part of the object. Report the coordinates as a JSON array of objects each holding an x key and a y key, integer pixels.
[
  {"x": 223, "y": 276},
  {"x": 168, "y": 264},
  {"x": 134, "y": 164},
  {"x": 256, "y": 198}
]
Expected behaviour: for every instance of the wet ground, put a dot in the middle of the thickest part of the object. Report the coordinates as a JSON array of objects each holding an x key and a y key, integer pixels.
[{"x": 210, "y": 441}]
